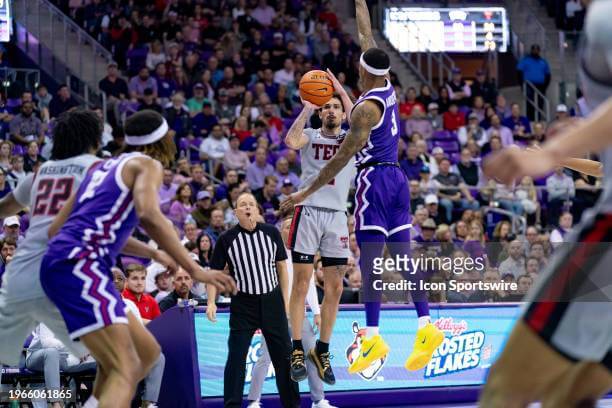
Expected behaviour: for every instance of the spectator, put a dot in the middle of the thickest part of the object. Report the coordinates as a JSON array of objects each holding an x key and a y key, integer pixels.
[
  {"x": 432, "y": 205},
  {"x": 203, "y": 209},
  {"x": 259, "y": 170},
  {"x": 148, "y": 102},
  {"x": 135, "y": 291},
  {"x": 165, "y": 85},
  {"x": 32, "y": 159},
  {"x": 560, "y": 188},
  {"x": 335, "y": 60},
  {"x": 461, "y": 232},
  {"x": 533, "y": 68},
  {"x": 43, "y": 99},
  {"x": 501, "y": 107},
  {"x": 62, "y": 103},
  {"x": 410, "y": 102},
  {"x": 282, "y": 172},
  {"x": 223, "y": 108},
  {"x": 198, "y": 181},
  {"x": 6, "y": 148},
  {"x": 468, "y": 170},
  {"x": 561, "y": 113},
  {"x": 177, "y": 116},
  {"x": 507, "y": 199},
  {"x": 17, "y": 173},
  {"x": 155, "y": 56},
  {"x": 181, "y": 205},
  {"x": 484, "y": 88},
  {"x": 217, "y": 225},
  {"x": 416, "y": 199},
  {"x": 419, "y": 123},
  {"x": 425, "y": 97},
  {"x": 528, "y": 196},
  {"x": 205, "y": 250},
  {"x": 538, "y": 133},
  {"x": 475, "y": 242},
  {"x": 518, "y": 124},
  {"x": 167, "y": 190},
  {"x": 26, "y": 127},
  {"x": 263, "y": 13},
  {"x": 191, "y": 232},
  {"x": 523, "y": 283},
  {"x": 435, "y": 118},
  {"x": 452, "y": 187},
  {"x": 453, "y": 118},
  {"x": 231, "y": 177},
  {"x": 182, "y": 290},
  {"x": 328, "y": 16},
  {"x": 268, "y": 199},
  {"x": 8, "y": 246},
  {"x": 505, "y": 134},
  {"x": 515, "y": 263},
  {"x": 195, "y": 104},
  {"x": 458, "y": 90},
  {"x": 215, "y": 146},
  {"x": 204, "y": 121},
  {"x": 286, "y": 75},
  {"x": 234, "y": 158},
  {"x": 472, "y": 131},
  {"x": 162, "y": 279},
  {"x": 140, "y": 83},
  {"x": 532, "y": 268},
  {"x": 478, "y": 107},
  {"x": 559, "y": 234},
  {"x": 412, "y": 164}
]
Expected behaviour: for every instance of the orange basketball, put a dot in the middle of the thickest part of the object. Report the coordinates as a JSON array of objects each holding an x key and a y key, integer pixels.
[{"x": 316, "y": 87}]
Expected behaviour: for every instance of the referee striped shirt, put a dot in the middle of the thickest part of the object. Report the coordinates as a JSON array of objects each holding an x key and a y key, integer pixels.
[{"x": 251, "y": 256}]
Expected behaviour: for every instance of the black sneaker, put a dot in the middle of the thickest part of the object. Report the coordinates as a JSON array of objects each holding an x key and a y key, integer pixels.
[
  {"x": 298, "y": 366},
  {"x": 324, "y": 369}
]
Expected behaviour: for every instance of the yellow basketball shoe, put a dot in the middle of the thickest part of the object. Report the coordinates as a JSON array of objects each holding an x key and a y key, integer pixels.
[
  {"x": 371, "y": 350},
  {"x": 427, "y": 340}
]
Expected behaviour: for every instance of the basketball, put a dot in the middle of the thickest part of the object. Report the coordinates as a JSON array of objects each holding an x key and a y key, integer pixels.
[{"x": 316, "y": 87}]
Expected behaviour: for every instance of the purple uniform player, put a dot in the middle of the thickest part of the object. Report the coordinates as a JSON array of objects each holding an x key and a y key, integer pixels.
[
  {"x": 95, "y": 226},
  {"x": 382, "y": 212}
]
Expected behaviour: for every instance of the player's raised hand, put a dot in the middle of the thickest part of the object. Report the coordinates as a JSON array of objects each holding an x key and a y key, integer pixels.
[
  {"x": 335, "y": 82},
  {"x": 309, "y": 105},
  {"x": 293, "y": 200},
  {"x": 513, "y": 163}
]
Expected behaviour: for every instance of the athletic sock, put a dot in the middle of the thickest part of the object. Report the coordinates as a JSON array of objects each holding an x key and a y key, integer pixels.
[
  {"x": 92, "y": 402},
  {"x": 297, "y": 345},
  {"x": 424, "y": 321},
  {"x": 371, "y": 331},
  {"x": 322, "y": 347}
]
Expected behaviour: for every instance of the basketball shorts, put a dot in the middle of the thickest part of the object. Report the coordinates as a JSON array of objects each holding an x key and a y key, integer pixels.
[
  {"x": 382, "y": 200},
  {"x": 322, "y": 230},
  {"x": 570, "y": 306},
  {"x": 83, "y": 292}
]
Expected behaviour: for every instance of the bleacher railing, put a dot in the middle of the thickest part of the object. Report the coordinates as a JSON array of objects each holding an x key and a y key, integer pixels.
[
  {"x": 430, "y": 66},
  {"x": 29, "y": 78},
  {"x": 538, "y": 102},
  {"x": 34, "y": 19}
]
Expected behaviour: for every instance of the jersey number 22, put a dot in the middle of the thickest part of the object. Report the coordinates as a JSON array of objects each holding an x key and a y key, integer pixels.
[{"x": 52, "y": 195}]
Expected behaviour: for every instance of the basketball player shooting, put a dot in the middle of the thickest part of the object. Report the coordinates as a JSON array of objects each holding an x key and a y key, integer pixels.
[
  {"x": 563, "y": 338},
  {"x": 382, "y": 211},
  {"x": 319, "y": 225}
]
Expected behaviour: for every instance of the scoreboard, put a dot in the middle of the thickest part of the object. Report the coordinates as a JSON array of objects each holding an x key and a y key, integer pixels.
[
  {"x": 467, "y": 29},
  {"x": 5, "y": 21}
]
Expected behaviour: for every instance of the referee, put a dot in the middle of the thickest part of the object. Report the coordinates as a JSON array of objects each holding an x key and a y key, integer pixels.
[{"x": 256, "y": 257}]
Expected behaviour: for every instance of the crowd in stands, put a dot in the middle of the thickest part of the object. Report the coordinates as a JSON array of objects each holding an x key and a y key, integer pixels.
[{"x": 224, "y": 74}]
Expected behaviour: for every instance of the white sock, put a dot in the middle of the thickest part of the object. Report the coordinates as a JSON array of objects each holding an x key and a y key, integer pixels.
[
  {"x": 371, "y": 331},
  {"x": 424, "y": 321},
  {"x": 92, "y": 402}
]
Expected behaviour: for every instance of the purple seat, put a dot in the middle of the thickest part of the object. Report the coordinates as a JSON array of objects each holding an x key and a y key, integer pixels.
[
  {"x": 449, "y": 146},
  {"x": 194, "y": 149},
  {"x": 288, "y": 122},
  {"x": 184, "y": 145},
  {"x": 444, "y": 135},
  {"x": 455, "y": 158}
]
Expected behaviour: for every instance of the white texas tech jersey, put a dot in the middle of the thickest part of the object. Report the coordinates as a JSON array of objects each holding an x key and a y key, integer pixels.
[
  {"x": 45, "y": 193},
  {"x": 315, "y": 155}
]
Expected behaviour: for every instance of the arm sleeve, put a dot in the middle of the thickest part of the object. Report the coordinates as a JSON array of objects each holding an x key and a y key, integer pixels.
[
  {"x": 23, "y": 189},
  {"x": 311, "y": 297},
  {"x": 219, "y": 258}
]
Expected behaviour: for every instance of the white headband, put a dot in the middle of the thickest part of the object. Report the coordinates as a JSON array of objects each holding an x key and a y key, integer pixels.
[
  {"x": 372, "y": 70},
  {"x": 150, "y": 138}
]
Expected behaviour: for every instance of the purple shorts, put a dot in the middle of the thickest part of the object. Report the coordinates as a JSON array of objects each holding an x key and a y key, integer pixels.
[
  {"x": 84, "y": 293},
  {"x": 382, "y": 200}
]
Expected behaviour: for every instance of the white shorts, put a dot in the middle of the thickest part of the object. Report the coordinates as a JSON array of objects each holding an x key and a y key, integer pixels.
[
  {"x": 316, "y": 229},
  {"x": 19, "y": 319}
]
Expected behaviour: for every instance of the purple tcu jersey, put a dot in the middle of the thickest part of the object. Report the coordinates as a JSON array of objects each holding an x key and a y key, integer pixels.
[
  {"x": 384, "y": 137},
  {"x": 102, "y": 219}
]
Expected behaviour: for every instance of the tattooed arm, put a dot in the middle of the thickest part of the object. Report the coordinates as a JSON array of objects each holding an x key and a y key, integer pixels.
[
  {"x": 366, "y": 38},
  {"x": 364, "y": 117}
]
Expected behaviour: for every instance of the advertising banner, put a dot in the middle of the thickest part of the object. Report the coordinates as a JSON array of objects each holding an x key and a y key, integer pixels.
[{"x": 474, "y": 335}]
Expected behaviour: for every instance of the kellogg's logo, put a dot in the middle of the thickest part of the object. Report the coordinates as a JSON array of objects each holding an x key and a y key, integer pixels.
[
  {"x": 254, "y": 354},
  {"x": 447, "y": 324},
  {"x": 352, "y": 352}
]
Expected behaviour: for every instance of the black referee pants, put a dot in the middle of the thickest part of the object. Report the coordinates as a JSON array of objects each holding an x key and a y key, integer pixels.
[{"x": 247, "y": 314}]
